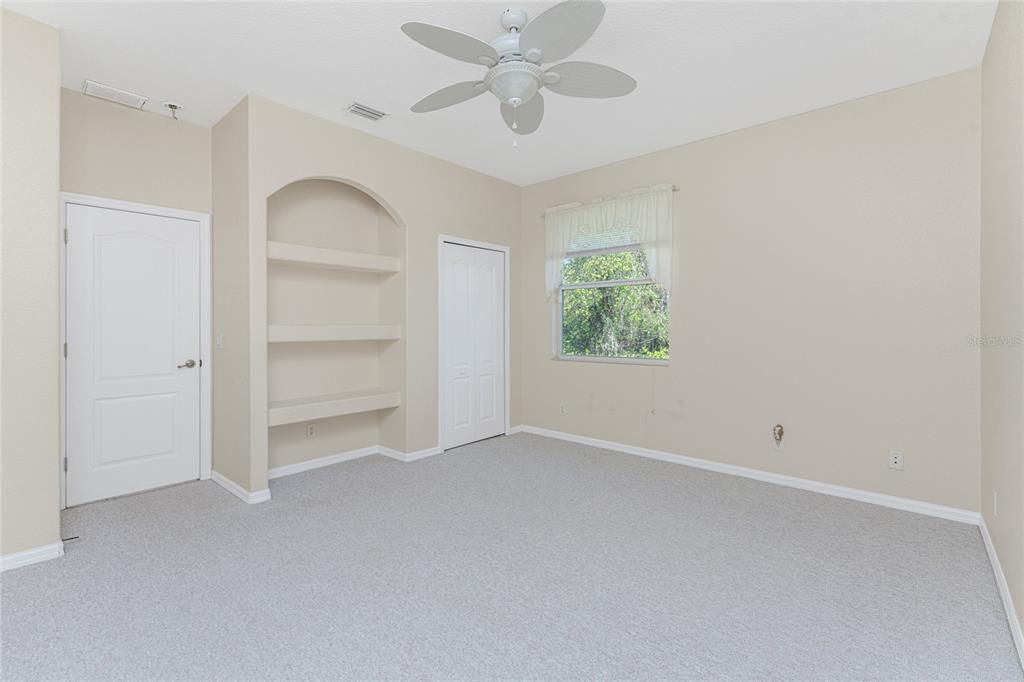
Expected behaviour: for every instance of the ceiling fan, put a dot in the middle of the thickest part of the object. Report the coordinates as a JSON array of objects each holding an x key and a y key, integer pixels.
[{"x": 513, "y": 60}]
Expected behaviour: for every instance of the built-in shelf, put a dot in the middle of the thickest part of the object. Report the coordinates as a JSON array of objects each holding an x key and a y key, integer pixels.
[
  {"x": 334, "y": 405},
  {"x": 290, "y": 333},
  {"x": 331, "y": 258}
]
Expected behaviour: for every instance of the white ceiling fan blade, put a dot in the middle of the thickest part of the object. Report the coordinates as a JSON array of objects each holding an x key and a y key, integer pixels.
[
  {"x": 526, "y": 118},
  {"x": 586, "y": 79},
  {"x": 456, "y": 45},
  {"x": 445, "y": 97},
  {"x": 561, "y": 30}
]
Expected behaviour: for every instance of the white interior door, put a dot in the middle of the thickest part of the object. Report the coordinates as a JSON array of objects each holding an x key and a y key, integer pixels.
[
  {"x": 473, "y": 356},
  {"x": 133, "y": 334}
]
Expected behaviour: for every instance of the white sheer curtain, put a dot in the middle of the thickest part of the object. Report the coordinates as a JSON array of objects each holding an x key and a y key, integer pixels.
[{"x": 641, "y": 218}]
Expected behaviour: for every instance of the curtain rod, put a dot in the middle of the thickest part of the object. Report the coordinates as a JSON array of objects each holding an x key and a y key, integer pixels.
[{"x": 597, "y": 200}]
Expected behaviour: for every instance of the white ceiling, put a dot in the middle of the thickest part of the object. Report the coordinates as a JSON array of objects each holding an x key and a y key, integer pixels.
[{"x": 703, "y": 68}]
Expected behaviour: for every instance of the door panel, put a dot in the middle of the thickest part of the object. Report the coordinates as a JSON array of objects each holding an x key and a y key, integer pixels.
[
  {"x": 133, "y": 288},
  {"x": 151, "y": 435},
  {"x": 488, "y": 399},
  {"x": 134, "y": 328},
  {"x": 489, "y": 341},
  {"x": 473, "y": 359}
]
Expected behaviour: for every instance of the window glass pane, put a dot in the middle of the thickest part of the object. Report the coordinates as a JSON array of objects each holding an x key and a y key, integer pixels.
[
  {"x": 627, "y": 321},
  {"x": 605, "y": 267}
]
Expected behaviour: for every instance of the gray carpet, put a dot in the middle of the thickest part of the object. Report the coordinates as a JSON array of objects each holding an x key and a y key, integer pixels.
[{"x": 518, "y": 557}]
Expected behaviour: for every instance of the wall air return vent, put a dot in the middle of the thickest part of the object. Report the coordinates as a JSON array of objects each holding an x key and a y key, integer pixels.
[
  {"x": 365, "y": 111},
  {"x": 101, "y": 91}
]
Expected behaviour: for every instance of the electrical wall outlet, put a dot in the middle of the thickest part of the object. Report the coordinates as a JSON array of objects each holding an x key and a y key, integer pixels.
[
  {"x": 561, "y": 409},
  {"x": 310, "y": 430},
  {"x": 896, "y": 460}
]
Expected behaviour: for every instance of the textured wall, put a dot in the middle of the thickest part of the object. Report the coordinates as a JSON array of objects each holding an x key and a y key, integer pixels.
[
  {"x": 29, "y": 389},
  {"x": 112, "y": 151},
  {"x": 825, "y": 277},
  {"x": 1002, "y": 287},
  {"x": 230, "y": 234}
]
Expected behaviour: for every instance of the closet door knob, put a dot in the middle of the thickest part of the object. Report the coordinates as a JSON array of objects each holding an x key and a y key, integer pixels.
[{"x": 189, "y": 364}]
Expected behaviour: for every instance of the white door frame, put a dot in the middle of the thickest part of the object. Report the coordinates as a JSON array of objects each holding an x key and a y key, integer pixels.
[
  {"x": 504, "y": 250},
  {"x": 205, "y": 321}
]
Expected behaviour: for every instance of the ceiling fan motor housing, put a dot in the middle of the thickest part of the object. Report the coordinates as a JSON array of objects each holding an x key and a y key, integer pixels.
[
  {"x": 507, "y": 46},
  {"x": 514, "y": 82}
]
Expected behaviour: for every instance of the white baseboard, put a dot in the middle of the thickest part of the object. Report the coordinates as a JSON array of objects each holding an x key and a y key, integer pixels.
[
  {"x": 1004, "y": 592},
  {"x": 420, "y": 454},
  {"x": 299, "y": 467},
  {"x": 409, "y": 456},
  {"x": 393, "y": 454},
  {"x": 309, "y": 465},
  {"x": 238, "y": 491},
  {"x": 903, "y": 503},
  {"x": 31, "y": 556},
  {"x": 513, "y": 430}
]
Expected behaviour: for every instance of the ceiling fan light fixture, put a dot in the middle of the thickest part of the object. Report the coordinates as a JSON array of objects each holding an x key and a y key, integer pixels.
[{"x": 514, "y": 83}]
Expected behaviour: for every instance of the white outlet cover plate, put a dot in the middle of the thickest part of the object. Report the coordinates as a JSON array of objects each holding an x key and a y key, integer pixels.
[{"x": 896, "y": 460}]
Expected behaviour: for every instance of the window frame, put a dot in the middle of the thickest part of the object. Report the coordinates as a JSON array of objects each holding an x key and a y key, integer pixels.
[{"x": 560, "y": 307}]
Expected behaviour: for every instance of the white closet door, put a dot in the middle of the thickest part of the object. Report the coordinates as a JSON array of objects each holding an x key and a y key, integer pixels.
[
  {"x": 474, "y": 336},
  {"x": 133, "y": 326}
]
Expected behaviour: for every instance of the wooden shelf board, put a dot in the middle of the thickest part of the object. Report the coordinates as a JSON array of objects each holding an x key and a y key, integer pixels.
[
  {"x": 297, "y": 333},
  {"x": 335, "y": 405},
  {"x": 331, "y": 258}
]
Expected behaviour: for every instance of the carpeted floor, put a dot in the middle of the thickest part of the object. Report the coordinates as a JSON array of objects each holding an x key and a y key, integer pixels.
[{"x": 517, "y": 557}]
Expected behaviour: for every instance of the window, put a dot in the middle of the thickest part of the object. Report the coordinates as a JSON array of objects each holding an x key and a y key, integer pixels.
[
  {"x": 608, "y": 276},
  {"x": 611, "y": 308}
]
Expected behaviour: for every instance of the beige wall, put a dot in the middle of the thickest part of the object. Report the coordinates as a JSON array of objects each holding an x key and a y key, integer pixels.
[
  {"x": 112, "y": 151},
  {"x": 826, "y": 277},
  {"x": 29, "y": 343},
  {"x": 429, "y": 196},
  {"x": 230, "y": 255},
  {"x": 1002, "y": 286}
]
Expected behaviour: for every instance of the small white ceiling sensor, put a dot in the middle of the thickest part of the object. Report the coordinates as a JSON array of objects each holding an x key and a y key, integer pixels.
[
  {"x": 172, "y": 107},
  {"x": 111, "y": 94}
]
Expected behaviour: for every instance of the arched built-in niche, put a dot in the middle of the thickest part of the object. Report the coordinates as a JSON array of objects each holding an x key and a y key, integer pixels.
[{"x": 336, "y": 311}]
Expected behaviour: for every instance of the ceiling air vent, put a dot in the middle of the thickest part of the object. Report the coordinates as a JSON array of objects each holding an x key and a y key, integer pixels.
[
  {"x": 128, "y": 99},
  {"x": 365, "y": 111}
]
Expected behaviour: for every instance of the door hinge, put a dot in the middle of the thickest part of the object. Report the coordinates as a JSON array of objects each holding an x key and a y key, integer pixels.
[
  {"x": 200, "y": 362},
  {"x": 65, "y": 349},
  {"x": 65, "y": 235},
  {"x": 65, "y": 465}
]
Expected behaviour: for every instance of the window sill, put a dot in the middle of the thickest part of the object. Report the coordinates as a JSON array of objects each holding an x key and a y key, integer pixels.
[{"x": 612, "y": 361}]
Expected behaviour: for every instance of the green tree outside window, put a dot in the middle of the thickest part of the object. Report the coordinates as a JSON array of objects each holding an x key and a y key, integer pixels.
[{"x": 612, "y": 309}]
